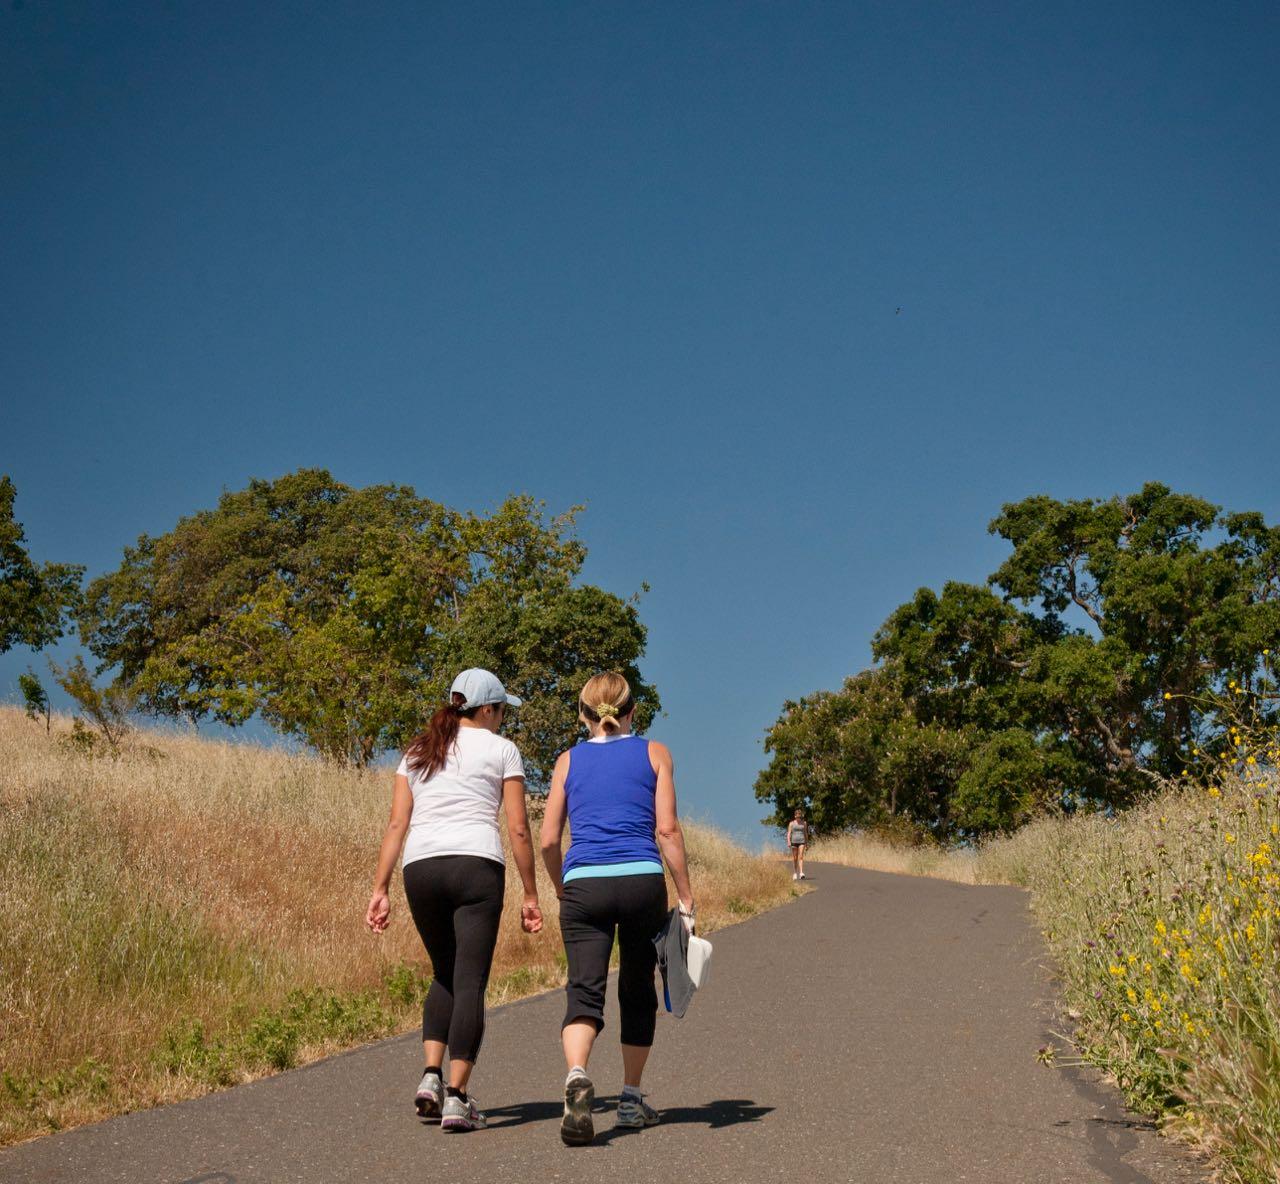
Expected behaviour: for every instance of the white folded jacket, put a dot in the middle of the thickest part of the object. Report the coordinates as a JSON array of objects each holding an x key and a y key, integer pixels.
[{"x": 699, "y": 961}]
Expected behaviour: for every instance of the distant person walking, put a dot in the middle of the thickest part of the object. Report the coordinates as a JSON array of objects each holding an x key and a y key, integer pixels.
[
  {"x": 797, "y": 840},
  {"x": 444, "y": 814},
  {"x": 617, "y": 790}
]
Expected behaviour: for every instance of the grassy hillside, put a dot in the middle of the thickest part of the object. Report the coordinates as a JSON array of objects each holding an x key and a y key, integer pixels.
[
  {"x": 1165, "y": 924},
  {"x": 879, "y": 855},
  {"x": 191, "y": 915}
]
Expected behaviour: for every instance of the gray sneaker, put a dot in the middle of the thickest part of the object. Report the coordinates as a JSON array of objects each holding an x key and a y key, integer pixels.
[
  {"x": 430, "y": 1096},
  {"x": 635, "y": 1112},
  {"x": 458, "y": 1115},
  {"x": 576, "y": 1127}
]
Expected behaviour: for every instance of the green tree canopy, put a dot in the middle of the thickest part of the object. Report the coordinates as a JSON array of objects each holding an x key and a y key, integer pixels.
[
  {"x": 341, "y": 615},
  {"x": 1078, "y": 674},
  {"x": 34, "y": 601}
]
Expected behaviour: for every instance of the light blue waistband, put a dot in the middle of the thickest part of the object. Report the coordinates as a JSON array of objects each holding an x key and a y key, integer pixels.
[{"x": 641, "y": 867}]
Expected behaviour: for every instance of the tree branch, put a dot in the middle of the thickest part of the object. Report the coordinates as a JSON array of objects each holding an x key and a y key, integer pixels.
[{"x": 1077, "y": 598}]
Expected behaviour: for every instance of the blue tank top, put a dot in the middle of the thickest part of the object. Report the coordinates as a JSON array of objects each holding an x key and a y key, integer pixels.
[{"x": 609, "y": 792}]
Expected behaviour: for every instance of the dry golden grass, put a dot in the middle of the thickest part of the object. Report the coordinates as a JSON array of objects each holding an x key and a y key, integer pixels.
[
  {"x": 192, "y": 914},
  {"x": 1165, "y": 926},
  {"x": 869, "y": 851}
]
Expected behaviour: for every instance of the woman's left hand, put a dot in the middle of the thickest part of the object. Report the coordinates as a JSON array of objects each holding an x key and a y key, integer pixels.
[{"x": 531, "y": 915}]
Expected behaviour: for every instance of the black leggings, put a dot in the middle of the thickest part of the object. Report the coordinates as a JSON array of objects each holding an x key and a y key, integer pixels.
[
  {"x": 456, "y": 902},
  {"x": 590, "y": 910}
]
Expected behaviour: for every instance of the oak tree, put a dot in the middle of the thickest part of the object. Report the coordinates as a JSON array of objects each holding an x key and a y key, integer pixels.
[{"x": 340, "y": 615}]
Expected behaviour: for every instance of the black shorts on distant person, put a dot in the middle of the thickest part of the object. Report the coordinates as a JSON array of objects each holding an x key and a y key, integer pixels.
[{"x": 591, "y": 909}]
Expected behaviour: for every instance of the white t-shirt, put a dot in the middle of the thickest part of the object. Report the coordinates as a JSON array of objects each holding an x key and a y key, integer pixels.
[{"x": 455, "y": 811}]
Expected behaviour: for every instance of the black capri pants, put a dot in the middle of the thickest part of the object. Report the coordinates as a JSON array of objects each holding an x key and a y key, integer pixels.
[
  {"x": 590, "y": 911},
  {"x": 456, "y": 902}
]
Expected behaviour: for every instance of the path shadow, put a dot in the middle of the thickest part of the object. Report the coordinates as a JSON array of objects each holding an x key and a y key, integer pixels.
[
  {"x": 518, "y": 1113},
  {"x": 716, "y": 1115}
]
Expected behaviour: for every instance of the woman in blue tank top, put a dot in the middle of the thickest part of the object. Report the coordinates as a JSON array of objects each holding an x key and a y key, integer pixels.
[{"x": 618, "y": 793}]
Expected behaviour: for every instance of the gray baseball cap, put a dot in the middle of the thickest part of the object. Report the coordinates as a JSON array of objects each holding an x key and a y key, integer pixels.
[{"x": 479, "y": 687}]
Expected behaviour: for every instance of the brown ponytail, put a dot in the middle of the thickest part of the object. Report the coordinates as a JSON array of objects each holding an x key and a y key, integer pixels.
[{"x": 429, "y": 749}]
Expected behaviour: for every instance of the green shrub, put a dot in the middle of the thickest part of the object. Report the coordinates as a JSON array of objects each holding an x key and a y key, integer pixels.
[
  {"x": 320, "y": 1015},
  {"x": 405, "y": 984},
  {"x": 187, "y": 1051},
  {"x": 89, "y": 1079},
  {"x": 272, "y": 1041}
]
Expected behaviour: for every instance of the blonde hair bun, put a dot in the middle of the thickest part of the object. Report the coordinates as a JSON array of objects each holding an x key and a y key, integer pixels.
[{"x": 605, "y": 700}]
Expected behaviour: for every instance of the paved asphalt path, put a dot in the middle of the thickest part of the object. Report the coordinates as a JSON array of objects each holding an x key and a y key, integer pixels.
[{"x": 882, "y": 1028}]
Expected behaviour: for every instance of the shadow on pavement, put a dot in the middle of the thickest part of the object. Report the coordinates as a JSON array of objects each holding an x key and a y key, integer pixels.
[
  {"x": 522, "y": 1112},
  {"x": 716, "y": 1115}
]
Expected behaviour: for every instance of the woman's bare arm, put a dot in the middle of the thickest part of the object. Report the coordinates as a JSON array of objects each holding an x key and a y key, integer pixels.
[
  {"x": 553, "y": 820},
  {"x": 379, "y": 912},
  {"x": 670, "y": 834},
  {"x": 522, "y": 849}
]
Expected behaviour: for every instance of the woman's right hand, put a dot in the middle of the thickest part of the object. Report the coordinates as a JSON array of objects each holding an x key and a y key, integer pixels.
[
  {"x": 531, "y": 915},
  {"x": 378, "y": 914}
]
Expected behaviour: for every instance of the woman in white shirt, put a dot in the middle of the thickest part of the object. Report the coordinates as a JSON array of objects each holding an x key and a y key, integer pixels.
[{"x": 444, "y": 815}]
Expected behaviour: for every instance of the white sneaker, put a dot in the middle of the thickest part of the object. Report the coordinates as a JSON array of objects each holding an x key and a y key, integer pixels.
[
  {"x": 430, "y": 1096},
  {"x": 576, "y": 1127},
  {"x": 795, "y": 875},
  {"x": 458, "y": 1115},
  {"x": 635, "y": 1112}
]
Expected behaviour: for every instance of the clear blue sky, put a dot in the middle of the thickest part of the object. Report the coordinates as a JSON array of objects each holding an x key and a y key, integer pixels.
[{"x": 647, "y": 257}]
